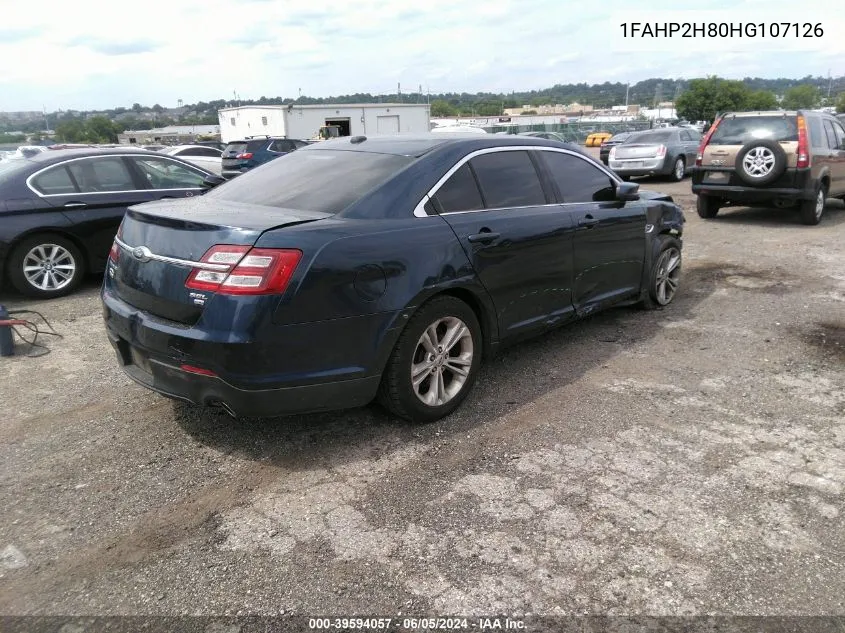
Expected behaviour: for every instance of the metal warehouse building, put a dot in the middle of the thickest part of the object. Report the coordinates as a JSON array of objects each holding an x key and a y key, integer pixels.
[{"x": 305, "y": 121}]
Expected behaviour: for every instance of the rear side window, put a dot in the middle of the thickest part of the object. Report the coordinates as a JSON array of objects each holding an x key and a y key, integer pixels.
[
  {"x": 327, "y": 181},
  {"x": 508, "y": 179},
  {"x": 832, "y": 141},
  {"x": 577, "y": 180},
  {"x": 840, "y": 135},
  {"x": 741, "y": 130},
  {"x": 96, "y": 175},
  {"x": 54, "y": 181},
  {"x": 460, "y": 192}
]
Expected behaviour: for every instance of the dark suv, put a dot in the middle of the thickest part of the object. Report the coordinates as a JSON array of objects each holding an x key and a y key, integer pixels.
[
  {"x": 241, "y": 156},
  {"x": 771, "y": 159}
]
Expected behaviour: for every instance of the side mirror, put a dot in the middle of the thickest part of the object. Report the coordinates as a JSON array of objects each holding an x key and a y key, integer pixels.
[
  {"x": 627, "y": 191},
  {"x": 211, "y": 181}
]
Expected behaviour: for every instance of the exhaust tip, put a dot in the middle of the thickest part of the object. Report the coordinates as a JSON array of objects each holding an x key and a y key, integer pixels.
[{"x": 218, "y": 404}]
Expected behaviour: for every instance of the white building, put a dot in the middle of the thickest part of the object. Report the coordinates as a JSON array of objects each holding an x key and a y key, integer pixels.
[{"x": 305, "y": 121}]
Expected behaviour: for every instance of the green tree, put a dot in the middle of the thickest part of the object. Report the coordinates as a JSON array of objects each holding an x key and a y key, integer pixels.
[
  {"x": 707, "y": 97},
  {"x": 840, "y": 103},
  {"x": 12, "y": 138},
  {"x": 441, "y": 108},
  {"x": 158, "y": 109},
  {"x": 137, "y": 107},
  {"x": 100, "y": 129},
  {"x": 70, "y": 131},
  {"x": 803, "y": 96},
  {"x": 762, "y": 100}
]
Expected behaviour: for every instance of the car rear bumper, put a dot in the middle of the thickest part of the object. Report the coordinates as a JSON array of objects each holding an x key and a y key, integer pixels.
[
  {"x": 794, "y": 184},
  {"x": 189, "y": 364},
  {"x": 641, "y": 167}
]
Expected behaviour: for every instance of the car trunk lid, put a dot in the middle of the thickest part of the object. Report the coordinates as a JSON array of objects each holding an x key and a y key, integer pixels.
[
  {"x": 637, "y": 150},
  {"x": 162, "y": 241}
]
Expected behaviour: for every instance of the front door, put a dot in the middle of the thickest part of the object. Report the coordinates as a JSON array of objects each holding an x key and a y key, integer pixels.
[
  {"x": 518, "y": 241},
  {"x": 609, "y": 244}
]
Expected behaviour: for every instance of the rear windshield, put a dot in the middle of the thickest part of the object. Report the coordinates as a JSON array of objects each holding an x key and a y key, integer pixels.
[
  {"x": 741, "y": 130},
  {"x": 318, "y": 180},
  {"x": 235, "y": 147},
  {"x": 650, "y": 137}
]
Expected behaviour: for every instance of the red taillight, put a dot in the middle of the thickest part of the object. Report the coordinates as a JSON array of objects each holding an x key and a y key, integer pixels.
[
  {"x": 661, "y": 151},
  {"x": 197, "y": 370},
  {"x": 803, "y": 151},
  {"x": 114, "y": 253},
  {"x": 612, "y": 155},
  {"x": 251, "y": 271},
  {"x": 700, "y": 156},
  {"x": 244, "y": 156}
]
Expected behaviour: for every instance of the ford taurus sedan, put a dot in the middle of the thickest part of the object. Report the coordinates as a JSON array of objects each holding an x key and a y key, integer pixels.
[
  {"x": 386, "y": 267},
  {"x": 59, "y": 210}
]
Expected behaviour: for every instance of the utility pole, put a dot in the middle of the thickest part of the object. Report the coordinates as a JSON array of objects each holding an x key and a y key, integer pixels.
[
  {"x": 829, "y": 83},
  {"x": 46, "y": 122},
  {"x": 399, "y": 92},
  {"x": 419, "y": 98},
  {"x": 627, "y": 87}
]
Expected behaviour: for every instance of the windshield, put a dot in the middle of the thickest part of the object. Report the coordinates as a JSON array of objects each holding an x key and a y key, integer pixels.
[
  {"x": 320, "y": 180},
  {"x": 650, "y": 137},
  {"x": 741, "y": 130}
]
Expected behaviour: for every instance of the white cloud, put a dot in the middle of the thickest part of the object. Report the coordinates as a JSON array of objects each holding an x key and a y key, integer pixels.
[{"x": 97, "y": 53}]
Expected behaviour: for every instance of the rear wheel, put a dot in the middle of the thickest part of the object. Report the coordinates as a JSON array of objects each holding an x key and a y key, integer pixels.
[
  {"x": 46, "y": 266},
  {"x": 679, "y": 170},
  {"x": 435, "y": 362},
  {"x": 812, "y": 210},
  {"x": 707, "y": 206}
]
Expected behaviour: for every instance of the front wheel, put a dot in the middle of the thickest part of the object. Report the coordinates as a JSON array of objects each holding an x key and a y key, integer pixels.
[
  {"x": 435, "y": 362},
  {"x": 665, "y": 276},
  {"x": 46, "y": 266}
]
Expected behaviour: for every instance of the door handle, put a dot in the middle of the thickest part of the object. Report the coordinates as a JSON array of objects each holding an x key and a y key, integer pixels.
[
  {"x": 588, "y": 222},
  {"x": 75, "y": 205},
  {"x": 484, "y": 237}
]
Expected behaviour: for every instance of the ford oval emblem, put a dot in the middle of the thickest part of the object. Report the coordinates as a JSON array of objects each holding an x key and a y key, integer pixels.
[{"x": 141, "y": 253}]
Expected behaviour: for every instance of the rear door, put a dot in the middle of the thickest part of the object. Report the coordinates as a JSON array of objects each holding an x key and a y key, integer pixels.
[
  {"x": 518, "y": 241},
  {"x": 96, "y": 193},
  {"x": 609, "y": 245},
  {"x": 836, "y": 156}
]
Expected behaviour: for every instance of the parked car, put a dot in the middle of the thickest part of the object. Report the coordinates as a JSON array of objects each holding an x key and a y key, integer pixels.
[
  {"x": 209, "y": 158},
  {"x": 59, "y": 210},
  {"x": 154, "y": 148},
  {"x": 779, "y": 159},
  {"x": 664, "y": 152},
  {"x": 595, "y": 139},
  {"x": 215, "y": 144},
  {"x": 384, "y": 266},
  {"x": 616, "y": 139},
  {"x": 241, "y": 156},
  {"x": 551, "y": 136}
]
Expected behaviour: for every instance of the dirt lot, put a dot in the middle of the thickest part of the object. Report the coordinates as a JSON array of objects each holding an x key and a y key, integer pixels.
[{"x": 685, "y": 461}]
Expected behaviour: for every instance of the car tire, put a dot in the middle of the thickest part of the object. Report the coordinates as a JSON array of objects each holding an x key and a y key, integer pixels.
[
  {"x": 422, "y": 382},
  {"x": 812, "y": 210},
  {"x": 707, "y": 207},
  {"x": 772, "y": 162},
  {"x": 665, "y": 274},
  {"x": 61, "y": 264},
  {"x": 679, "y": 169}
]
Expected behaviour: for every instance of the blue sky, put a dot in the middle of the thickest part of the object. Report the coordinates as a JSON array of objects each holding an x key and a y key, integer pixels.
[{"x": 88, "y": 54}]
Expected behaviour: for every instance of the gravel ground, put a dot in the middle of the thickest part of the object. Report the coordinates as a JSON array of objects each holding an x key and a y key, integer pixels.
[{"x": 679, "y": 462}]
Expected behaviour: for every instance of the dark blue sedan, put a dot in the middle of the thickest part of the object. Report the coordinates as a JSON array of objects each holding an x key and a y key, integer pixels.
[{"x": 382, "y": 267}]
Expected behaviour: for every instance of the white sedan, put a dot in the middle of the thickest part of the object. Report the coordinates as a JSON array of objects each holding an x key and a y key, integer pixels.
[{"x": 208, "y": 158}]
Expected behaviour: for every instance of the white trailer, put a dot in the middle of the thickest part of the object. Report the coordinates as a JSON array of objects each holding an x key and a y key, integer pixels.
[{"x": 305, "y": 121}]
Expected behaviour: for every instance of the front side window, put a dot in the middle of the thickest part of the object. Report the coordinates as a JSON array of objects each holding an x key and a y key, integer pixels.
[
  {"x": 162, "y": 173},
  {"x": 832, "y": 141},
  {"x": 460, "y": 192},
  {"x": 54, "y": 181},
  {"x": 98, "y": 175},
  {"x": 508, "y": 179},
  {"x": 577, "y": 180}
]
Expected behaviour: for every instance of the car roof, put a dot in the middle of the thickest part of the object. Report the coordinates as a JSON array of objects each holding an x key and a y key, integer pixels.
[
  {"x": 56, "y": 155},
  {"x": 419, "y": 144}
]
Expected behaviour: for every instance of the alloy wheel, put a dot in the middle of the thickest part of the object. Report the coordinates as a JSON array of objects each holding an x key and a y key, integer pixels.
[
  {"x": 49, "y": 267},
  {"x": 668, "y": 275},
  {"x": 442, "y": 360},
  {"x": 759, "y": 162}
]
